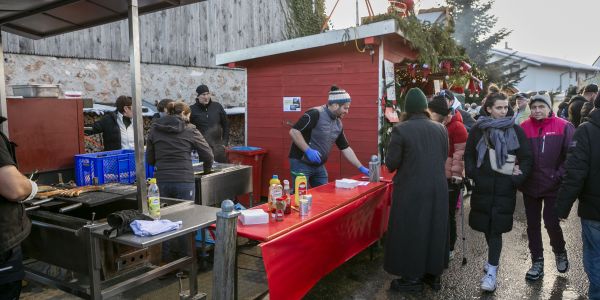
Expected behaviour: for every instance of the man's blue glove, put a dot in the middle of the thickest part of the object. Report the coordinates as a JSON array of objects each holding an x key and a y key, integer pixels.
[
  {"x": 363, "y": 170},
  {"x": 313, "y": 155}
]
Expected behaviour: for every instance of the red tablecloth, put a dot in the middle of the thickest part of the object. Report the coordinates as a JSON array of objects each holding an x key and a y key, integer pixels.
[
  {"x": 298, "y": 251},
  {"x": 326, "y": 198},
  {"x": 297, "y": 260}
]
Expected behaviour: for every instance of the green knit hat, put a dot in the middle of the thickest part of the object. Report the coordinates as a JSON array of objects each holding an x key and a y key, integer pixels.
[{"x": 415, "y": 101}]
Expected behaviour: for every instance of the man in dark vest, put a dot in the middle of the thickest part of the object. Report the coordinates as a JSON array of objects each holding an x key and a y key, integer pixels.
[
  {"x": 14, "y": 189},
  {"x": 314, "y": 135},
  {"x": 210, "y": 118}
]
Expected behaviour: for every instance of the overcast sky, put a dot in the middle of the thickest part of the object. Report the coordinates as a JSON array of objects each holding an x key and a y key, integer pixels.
[{"x": 543, "y": 27}]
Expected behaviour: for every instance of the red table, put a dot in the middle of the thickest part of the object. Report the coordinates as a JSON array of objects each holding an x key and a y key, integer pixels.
[{"x": 299, "y": 251}]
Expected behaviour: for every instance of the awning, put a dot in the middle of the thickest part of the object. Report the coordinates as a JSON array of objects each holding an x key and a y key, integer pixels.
[{"x": 37, "y": 19}]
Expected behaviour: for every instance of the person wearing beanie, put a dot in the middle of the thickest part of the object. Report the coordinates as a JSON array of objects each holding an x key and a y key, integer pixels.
[
  {"x": 580, "y": 182},
  {"x": 438, "y": 107},
  {"x": 454, "y": 167},
  {"x": 314, "y": 134},
  {"x": 417, "y": 247},
  {"x": 592, "y": 90},
  {"x": 549, "y": 137},
  {"x": 577, "y": 106},
  {"x": 210, "y": 118},
  {"x": 498, "y": 158},
  {"x": 467, "y": 119}
]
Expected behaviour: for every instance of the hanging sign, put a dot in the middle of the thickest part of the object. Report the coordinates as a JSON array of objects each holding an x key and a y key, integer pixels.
[
  {"x": 292, "y": 103},
  {"x": 390, "y": 80}
]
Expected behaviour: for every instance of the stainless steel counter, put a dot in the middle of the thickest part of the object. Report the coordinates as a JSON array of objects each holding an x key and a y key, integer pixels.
[
  {"x": 192, "y": 216},
  {"x": 60, "y": 232},
  {"x": 224, "y": 182}
]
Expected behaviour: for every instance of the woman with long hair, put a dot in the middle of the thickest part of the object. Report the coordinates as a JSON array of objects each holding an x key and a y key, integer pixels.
[{"x": 491, "y": 148}]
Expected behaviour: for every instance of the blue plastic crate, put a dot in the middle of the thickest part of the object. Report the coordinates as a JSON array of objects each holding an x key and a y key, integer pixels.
[{"x": 109, "y": 167}]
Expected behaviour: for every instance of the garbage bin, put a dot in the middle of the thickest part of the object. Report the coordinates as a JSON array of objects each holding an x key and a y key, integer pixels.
[{"x": 250, "y": 156}]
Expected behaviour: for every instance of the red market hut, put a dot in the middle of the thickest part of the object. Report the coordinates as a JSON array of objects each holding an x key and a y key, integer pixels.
[{"x": 286, "y": 78}]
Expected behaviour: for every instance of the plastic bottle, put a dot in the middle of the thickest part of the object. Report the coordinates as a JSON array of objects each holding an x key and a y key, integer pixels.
[
  {"x": 301, "y": 187},
  {"x": 288, "y": 200},
  {"x": 153, "y": 199},
  {"x": 280, "y": 204},
  {"x": 275, "y": 191}
]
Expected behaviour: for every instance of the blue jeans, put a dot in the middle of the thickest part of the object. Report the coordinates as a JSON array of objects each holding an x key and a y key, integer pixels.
[
  {"x": 178, "y": 190},
  {"x": 590, "y": 234},
  {"x": 316, "y": 176}
]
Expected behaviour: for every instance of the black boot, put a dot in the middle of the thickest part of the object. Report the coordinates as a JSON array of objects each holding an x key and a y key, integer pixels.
[
  {"x": 434, "y": 281},
  {"x": 407, "y": 285}
]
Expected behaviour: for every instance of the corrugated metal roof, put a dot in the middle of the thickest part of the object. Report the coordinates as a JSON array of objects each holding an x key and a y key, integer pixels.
[
  {"x": 312, "y": 41},
  {"x": 536, "y": 59},
  {"x": 38, "y": 19}
]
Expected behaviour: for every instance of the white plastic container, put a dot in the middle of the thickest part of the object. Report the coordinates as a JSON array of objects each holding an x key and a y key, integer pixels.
[
  {"x": 346, "y": 183},
  {"x": 254, "y": 216}
]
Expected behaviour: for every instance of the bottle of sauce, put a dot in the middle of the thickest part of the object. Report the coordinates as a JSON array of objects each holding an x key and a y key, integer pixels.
[
  {"x": 280, "y": 204},
  {"x": 301, "y": 187},
  {"x": 275, "y": 191},
  {"x": 288, "y": 200}
]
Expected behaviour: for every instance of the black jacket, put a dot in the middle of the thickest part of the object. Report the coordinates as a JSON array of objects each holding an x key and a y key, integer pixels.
[
  {"x": 418, "y": 222},
  {"x": 111, "y": 134},
  {"x": 170, "y": 143},
  {"x": 494, "y": 195},
  {"x": 582, "y": 179},
  {"x": 575, "y": 106},
  {"x": 13, "y": 220},
  {"x": 211, "y": 120},
  {"x": 468, "y": 120}
]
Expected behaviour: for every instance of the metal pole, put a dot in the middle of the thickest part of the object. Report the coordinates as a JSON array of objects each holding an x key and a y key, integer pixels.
[
  {"x": 136, "y": 94},
  {"x": 357, "y": 19},
  {"x": 225, "y": 253},
  {"x": 3, "y": 108}
]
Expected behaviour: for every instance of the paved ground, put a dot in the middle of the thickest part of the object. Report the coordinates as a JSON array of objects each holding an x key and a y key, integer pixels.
[
  {"x": 364, "y": 278},
  {"x": 361, "y": 278}
]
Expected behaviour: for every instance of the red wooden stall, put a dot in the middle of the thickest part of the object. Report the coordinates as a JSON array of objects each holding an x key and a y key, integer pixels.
[{"x": 306, "y": 67}]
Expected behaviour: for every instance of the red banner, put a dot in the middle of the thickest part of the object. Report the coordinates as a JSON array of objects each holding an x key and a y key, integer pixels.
[{"x": 297, "y": 260}]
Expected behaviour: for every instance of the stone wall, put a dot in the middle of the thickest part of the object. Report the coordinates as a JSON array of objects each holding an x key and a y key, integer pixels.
[{"x": 104, "y": 80}]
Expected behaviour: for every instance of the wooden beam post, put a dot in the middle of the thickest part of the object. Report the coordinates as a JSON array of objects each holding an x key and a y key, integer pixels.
[{"x": 225, "y": 253}]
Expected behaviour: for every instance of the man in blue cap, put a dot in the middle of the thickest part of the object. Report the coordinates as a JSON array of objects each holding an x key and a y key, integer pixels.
[{"x": 314, "y": 135}]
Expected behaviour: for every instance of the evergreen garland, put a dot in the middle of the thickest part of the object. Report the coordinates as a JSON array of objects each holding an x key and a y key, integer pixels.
[{"x": 431, "y": 41}]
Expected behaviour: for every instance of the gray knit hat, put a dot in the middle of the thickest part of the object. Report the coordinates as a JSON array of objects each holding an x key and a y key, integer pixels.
[
  {"x": 337, "y": 95},
  {"x": 541, "y": 97}
]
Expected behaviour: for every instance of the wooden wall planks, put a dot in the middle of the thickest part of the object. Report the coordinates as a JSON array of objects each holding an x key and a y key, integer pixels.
[{"x": 189, "y": 35}]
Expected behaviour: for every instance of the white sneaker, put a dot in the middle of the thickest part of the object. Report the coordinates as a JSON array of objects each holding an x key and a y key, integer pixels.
[
  {"x": 488, "y": 282},
  {"x": 451, "y": 255},
  {"x": 486, "y": 267}
]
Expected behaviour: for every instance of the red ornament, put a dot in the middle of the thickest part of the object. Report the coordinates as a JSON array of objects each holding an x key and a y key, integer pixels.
[
  {"x": 412, "y": 70},
  {"x": 471, "y": 86},
  {"x": 465, "y": 67},
  {"x": 447, "y": 66},
  {"x": 410, "y": 4},
  {"x": 426, "y": 70}
]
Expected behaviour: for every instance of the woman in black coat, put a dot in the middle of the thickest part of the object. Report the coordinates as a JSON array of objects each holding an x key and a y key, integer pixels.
[
  {"x": 417, "y": 243},
  {"x": 494, "y": 195}
]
